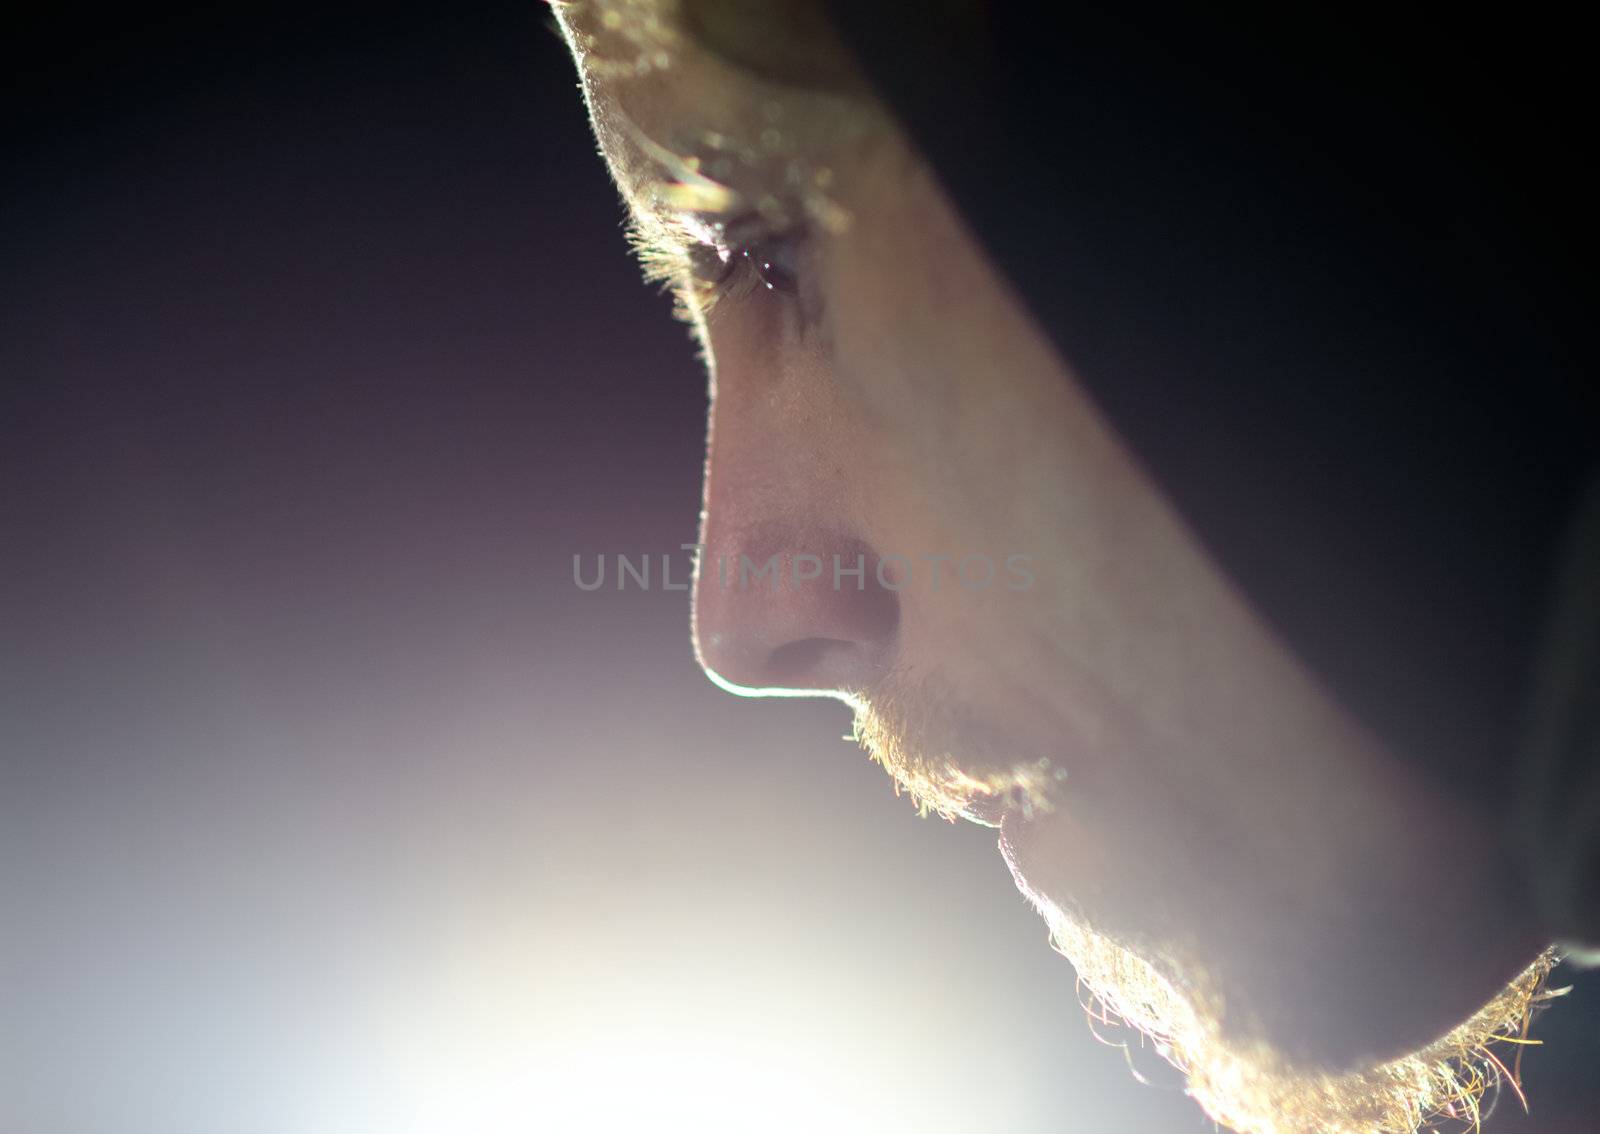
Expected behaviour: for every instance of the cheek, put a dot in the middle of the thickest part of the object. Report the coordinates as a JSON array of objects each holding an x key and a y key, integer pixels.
[
  {"x": 910, "y": 312},
  {"x": 945, "y": 368}
]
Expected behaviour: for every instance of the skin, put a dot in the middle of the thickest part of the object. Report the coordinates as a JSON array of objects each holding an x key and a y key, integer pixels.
[{"x": 1221, "y": 813}]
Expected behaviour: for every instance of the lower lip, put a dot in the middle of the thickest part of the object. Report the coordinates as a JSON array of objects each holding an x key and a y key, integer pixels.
[{"x": 1013, "y": 829}]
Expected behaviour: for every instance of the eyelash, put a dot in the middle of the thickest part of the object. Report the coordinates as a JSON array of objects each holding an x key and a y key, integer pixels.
[
  {"x": 747, "y": 254},
  {"x": 707, "y": 256}
]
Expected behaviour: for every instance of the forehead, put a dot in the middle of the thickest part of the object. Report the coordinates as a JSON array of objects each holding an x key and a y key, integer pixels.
[{"x": 666, "y": 108}]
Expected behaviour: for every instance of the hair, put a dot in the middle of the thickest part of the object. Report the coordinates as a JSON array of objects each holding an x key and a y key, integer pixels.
[
  {"x": 786, "y": 43},
  {"x": 1240, "y": 1080},
  {"x": 789, "y": 42},
  {"x": 1251, "y": 1089}
]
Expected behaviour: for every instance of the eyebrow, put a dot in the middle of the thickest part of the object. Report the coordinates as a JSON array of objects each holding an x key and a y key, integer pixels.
[
  {"x": 680, "y": 184},
  {"x": 666, "y": 195},
  {"x": 695, "y": 141}
]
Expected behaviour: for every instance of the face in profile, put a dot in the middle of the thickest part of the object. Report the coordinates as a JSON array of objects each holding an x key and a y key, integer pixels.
[{"x": 912, "y": 505}]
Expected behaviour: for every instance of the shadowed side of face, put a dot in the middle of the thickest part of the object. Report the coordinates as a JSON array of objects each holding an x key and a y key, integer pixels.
[{"x": 911, "y": 504}]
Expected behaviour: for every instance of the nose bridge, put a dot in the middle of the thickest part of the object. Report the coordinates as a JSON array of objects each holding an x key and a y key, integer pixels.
[
  {"x": 787, "y": 594},
  {"x": 770, "y": 478},
  {"x": 770, "y": 445}
]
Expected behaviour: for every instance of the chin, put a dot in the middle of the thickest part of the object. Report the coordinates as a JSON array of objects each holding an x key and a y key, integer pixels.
[
  {"x": 1349, "y": 986},
  {"x": 1249, "y": 1085}
]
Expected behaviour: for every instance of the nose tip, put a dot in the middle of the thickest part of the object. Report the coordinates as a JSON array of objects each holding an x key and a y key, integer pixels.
[{"x": 805, "y": 616}]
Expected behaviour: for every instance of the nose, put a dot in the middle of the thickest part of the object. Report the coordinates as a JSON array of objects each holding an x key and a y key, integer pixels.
[
  {"x": 791, "y": 595},
  {"x": 782, "y": 606}
]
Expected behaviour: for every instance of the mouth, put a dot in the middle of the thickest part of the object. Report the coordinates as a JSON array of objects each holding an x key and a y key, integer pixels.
[
  {"x": 958, "y": 764},
  {"x": 1017, "y": 795},
  {"x": 990, "y": 794},
  {"x": 985, "y": 812},
  {"x": 1014, "y": 830}
]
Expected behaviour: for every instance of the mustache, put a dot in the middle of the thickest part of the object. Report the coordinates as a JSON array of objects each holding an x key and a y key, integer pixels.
[{"x": 950, "y": 760}]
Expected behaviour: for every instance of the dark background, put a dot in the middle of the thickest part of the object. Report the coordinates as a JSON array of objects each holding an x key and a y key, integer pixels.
[{"x": 327, "y": 801}]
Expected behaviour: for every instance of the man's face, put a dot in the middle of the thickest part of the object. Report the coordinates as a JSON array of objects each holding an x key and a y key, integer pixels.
[{"x": 911, "y": 504}]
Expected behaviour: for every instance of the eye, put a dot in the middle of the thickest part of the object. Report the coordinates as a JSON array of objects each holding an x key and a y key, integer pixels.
[
  {"x": 776, "y": 262},
  {"x": 729, "y": 258}
]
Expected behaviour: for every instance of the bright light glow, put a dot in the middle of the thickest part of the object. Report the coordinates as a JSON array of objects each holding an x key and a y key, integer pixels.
[
  {"x": 776, "y": 690},
  {"x": 507, "y": 1044},
  {"x": 648, "y": 1078},
  {"x": 626, "y": 1075}
]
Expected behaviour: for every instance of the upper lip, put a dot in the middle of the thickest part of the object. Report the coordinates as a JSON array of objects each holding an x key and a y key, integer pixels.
[{"x": 986, "y": 809}]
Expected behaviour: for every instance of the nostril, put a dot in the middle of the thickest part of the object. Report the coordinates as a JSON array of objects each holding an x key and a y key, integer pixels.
[
  {"x": 795, "y": 627},
  {"x": 794, "y": 660}
]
